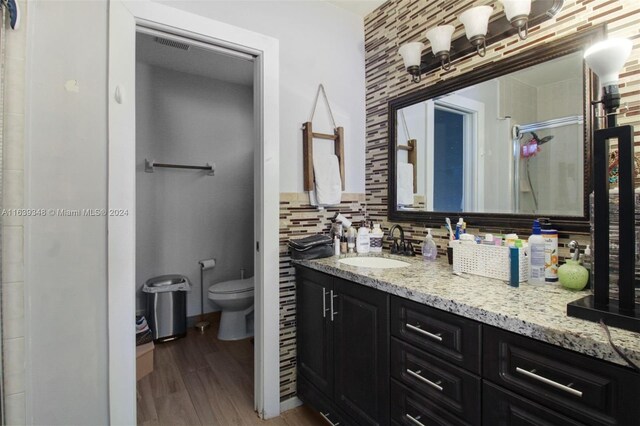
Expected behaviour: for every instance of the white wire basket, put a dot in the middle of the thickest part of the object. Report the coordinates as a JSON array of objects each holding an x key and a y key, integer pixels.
[{"x": 488, "y": 261}]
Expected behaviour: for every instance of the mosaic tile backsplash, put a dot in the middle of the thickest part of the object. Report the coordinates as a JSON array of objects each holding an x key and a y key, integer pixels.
[{"x": 298, "y": 219}]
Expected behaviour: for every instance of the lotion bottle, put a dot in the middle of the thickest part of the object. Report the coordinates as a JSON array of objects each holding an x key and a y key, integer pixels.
[
  {"x": 375, "y": 240},
  {"x": 536, "y": 251},
  {"x": 362, "y": 242}
]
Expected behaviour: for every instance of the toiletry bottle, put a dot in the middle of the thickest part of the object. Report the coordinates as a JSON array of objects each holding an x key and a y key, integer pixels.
[
  {"x": 459, "y": 228},
  {"x": 362, "y": 244},
  {"x": 429, "y": 248},
  {"x": 550, "y": 255},
  {"x": 351, "y": 239},
  {"x": 375, "y": 240},
  {"x": 343, "y": 244},
  {"x": 336, "y": 246},
  {"x": 536, "y": 255}
]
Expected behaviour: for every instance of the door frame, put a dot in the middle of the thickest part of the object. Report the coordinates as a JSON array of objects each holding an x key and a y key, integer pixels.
[
  {"x": 473, "y": 161},
  {"x": 124, "y": 18}
]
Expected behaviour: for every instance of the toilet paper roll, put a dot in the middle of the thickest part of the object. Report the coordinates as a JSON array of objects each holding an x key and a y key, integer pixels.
[{"x": 207, "y": 264}]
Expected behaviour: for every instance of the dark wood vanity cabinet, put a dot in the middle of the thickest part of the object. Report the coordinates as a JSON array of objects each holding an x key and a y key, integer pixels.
[
  {"x": 369, "y": 358},
  {"x": 566, "y": 383},
  {"x": 343, "y": 349}
]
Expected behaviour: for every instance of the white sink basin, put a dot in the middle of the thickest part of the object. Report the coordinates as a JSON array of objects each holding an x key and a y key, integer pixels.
[{"x": 374, "y": 262}]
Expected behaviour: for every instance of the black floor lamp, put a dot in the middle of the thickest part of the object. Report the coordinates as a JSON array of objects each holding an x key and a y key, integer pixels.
[{"x": 606, "y": 59}]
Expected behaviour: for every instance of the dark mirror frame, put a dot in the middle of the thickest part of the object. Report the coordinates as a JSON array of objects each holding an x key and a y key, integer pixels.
[{"x": 537, "y": 55}]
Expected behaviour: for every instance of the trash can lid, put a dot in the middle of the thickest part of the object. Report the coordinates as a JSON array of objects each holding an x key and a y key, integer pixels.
[{"x": 166, "y": 280}]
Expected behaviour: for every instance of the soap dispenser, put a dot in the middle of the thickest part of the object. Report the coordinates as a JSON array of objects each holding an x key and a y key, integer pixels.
[
  {"x": 429, "y": 247},
  {"x": 572, "y": 274}
]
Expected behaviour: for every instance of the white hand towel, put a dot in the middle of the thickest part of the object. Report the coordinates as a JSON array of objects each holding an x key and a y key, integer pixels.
[
  {"x": 328, "y": 184},
  {"x": 404, "y": 191}
]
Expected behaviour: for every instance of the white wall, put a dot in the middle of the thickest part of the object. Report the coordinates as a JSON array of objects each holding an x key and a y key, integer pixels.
[
  {"x": 319, "y": 43},
  {"x": 187, "y": 216},
  {"x": 66, "y": 167}
]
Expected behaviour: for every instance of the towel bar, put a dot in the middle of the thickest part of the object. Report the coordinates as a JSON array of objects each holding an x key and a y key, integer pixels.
[{"x": 149, "y": 167}]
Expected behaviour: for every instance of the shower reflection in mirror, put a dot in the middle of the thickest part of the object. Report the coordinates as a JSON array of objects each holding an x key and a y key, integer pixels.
[{"x": 513, "y": 144}]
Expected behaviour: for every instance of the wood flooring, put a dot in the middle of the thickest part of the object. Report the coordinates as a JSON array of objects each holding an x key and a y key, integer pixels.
[{"x": 199, "y": 380}]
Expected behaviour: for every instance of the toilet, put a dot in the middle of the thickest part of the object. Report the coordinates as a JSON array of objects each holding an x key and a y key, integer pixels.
[{"x": 235, "y": 300}]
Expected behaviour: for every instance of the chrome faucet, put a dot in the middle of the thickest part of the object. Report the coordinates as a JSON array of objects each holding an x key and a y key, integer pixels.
[{"x": 401, "y": 248}]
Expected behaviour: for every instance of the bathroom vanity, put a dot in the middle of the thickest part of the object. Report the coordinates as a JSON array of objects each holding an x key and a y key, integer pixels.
[{"x": 418, "y": 345}]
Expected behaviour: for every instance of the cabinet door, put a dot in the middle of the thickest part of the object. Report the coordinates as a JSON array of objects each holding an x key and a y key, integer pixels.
[
  {"x": 361, "y": 352},
  {"x": 314, "y": 331}
]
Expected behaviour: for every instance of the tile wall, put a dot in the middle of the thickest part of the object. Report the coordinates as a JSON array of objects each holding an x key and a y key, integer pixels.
[{"x": 400, "y": 21}]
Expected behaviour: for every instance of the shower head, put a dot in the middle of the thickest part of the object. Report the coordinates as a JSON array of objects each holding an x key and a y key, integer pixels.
[{"x": 543, "y": 140}]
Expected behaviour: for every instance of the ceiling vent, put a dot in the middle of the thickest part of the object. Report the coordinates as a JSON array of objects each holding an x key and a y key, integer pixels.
[{"x": 171, "y": 43}]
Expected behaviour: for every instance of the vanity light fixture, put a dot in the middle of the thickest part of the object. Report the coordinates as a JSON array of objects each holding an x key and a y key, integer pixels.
[
  {"x": 517, "y": 12},
  {"x": 479, "y": 31},
  {"x": 606, "y": 59},
  {"x": 440, "y": 39},
  {"x": 476, "y": 22},
  {"x": 412, "y": 56}
]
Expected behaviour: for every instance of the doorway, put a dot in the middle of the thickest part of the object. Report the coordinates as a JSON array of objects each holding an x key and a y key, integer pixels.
[
  {"x": 195, "y": 149},
  {"x": 454, "y": 154},
  {"x": 126, "y": 19}
]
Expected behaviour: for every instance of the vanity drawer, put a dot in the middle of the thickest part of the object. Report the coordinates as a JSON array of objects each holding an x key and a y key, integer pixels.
[
  {"x": 503, "y": 408},
  {"x": 455, "y": 390},
  {"x": 581, "y": 387},
  {"x": 448, "y": 336},
  {"x": 409, "y": 408}
]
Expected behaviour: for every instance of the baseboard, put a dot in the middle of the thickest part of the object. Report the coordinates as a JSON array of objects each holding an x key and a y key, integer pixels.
[{"x": 290, "y": 404}]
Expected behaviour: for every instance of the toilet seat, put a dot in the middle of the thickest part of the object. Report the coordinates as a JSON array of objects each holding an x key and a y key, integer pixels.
[{"x": 232, "y": 287}]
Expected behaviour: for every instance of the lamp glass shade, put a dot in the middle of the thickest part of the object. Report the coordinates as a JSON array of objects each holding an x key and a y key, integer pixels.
[
  {"x": 440, "y": 38},
  {"x": 411, "y": 53},
  {"x": 476, "y": 20},
  {"x": 513, "y": 8},
  {"x": 606, "y": 59}
]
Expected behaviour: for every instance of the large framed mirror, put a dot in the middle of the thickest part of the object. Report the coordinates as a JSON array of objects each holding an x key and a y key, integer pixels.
[{"x": 500, "y": 145}]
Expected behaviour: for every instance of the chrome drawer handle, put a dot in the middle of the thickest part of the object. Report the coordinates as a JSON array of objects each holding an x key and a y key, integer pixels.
[
  {"x": 556, "y": 385},
  {"x": 416, "y": 374},
  {"x": 424, "y": 332},
  {"x": 326, "y": 417},
  {"x": 332, "y": 311},
  {"x": 414, "y": 420},
  {"x": 324, "y": 302}
]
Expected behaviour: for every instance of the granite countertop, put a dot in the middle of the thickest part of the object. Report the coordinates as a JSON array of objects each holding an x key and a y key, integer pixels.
[{"x": 535, "y": 311}]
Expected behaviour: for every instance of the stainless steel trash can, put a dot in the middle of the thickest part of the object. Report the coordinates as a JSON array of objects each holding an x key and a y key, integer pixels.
[{"x": 167, "y": 306}]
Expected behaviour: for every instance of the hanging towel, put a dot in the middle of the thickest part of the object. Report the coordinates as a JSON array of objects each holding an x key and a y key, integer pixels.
[
  {"x": 405, "y": 184},
  {"x": 328, "y": 184}
]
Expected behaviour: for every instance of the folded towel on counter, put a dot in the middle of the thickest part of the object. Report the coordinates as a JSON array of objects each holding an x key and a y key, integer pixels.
[
  {"x": 404, "y": 179},
  {"x": 328, "y": 183}
]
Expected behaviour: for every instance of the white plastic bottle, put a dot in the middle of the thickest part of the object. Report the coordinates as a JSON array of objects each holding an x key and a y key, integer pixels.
[
  {"x": 375, "y": 240},
  {"x": 362, "y": 242},
  {"x": 429, "y": 247},
  {"x": 536, "y": 251}
]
